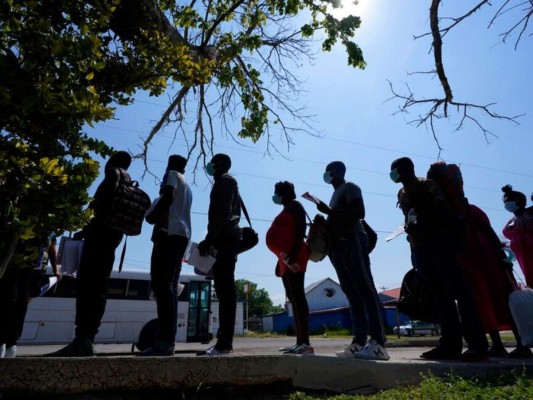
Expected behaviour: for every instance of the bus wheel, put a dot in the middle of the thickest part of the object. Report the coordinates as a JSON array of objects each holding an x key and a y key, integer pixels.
[{"x": 147, "y": 336}]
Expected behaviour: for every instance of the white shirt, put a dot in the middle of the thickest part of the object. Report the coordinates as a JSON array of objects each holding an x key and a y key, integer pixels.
[{"x": 179, "y": 213}]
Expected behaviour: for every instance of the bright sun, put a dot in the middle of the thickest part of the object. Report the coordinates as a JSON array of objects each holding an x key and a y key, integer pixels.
[{"x": 351, "y": 7}]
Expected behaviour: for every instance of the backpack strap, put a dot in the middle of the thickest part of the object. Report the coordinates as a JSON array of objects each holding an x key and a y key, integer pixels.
[
  {"x": 123, "y": 254},
  {"x": 245, "y": 211},
  {"x": 309, "y": 218}
]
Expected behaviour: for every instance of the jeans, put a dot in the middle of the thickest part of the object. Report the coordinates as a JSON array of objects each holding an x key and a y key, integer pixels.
[
  {"x": 224, "y": 281},
  {"x": 165, "y": 268},
  {"x": 349, "y": 257},
  {"x": 436, "y": 260},
  {"x": 96, "y": 264},
  {"x": 295, "y": 290}
]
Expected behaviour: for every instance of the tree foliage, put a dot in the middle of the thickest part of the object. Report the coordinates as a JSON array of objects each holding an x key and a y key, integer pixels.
[
  {"x": 258, "y": 299},
  {"x": 67, "y": 63}
]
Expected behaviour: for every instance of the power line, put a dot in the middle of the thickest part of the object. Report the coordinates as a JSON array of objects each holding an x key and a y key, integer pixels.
[{"x": 250, "y": 150}]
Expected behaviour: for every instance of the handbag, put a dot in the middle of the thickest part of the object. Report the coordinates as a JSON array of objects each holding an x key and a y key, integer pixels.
[{"x": 249, "y": 237}]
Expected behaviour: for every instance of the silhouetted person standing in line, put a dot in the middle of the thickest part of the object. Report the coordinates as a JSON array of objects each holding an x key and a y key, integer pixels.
[
  {"x": 429, "y": 226},
  {"x": 96, "y": 263},
  {"x": 223, "y": 237},
  {"x": 349, "y": 256},
  {"x": 170, "y": 243}
]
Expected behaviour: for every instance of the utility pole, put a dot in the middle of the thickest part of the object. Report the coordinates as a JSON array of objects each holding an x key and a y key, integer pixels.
[{"x": 246, "y": 290}]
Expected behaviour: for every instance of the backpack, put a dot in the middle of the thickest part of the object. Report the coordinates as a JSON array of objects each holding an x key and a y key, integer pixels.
[
  {"x": 318, "y": 239},
  {"x": 371, "y": 234},
  {"x": 415, "y": 299},
  {"x": 127, "y": 207},
  {"x": 450, "y": 181}
]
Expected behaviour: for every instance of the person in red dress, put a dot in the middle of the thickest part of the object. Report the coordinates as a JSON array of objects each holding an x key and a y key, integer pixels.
[
  {"x": 489, "y": 276},
  {"x": 285, "y": 238}
]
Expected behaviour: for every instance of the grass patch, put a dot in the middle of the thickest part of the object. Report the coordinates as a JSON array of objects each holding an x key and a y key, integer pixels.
[{"x": 505, "y": 386}]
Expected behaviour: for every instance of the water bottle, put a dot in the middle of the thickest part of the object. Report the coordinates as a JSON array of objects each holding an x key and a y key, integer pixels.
[{"x": 412, "y": 217}]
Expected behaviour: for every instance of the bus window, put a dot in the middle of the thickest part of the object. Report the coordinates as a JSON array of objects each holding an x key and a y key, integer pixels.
[
  {"x": 117, "y": 288},
  {"x": 138, "y": 289}
]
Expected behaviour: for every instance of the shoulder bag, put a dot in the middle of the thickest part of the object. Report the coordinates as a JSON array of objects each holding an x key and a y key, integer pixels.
[{"x": 249, "y": 238}]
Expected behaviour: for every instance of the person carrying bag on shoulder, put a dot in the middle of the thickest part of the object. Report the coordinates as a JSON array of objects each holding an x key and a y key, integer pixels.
[
  {"x": 223, "y": 239},
  {"x": 96, "y": 263}
]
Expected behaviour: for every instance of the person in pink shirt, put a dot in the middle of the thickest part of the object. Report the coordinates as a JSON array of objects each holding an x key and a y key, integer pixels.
[{"x": 519, "y": 230}]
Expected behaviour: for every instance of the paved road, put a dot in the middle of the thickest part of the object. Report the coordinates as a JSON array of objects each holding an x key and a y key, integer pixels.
[
  {"x": 242, "y": 345},
  {"x": 406, "y": 351}
]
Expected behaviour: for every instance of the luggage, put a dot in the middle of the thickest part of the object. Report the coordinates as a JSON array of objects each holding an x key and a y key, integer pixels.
[{"x": 521, "y": 306}]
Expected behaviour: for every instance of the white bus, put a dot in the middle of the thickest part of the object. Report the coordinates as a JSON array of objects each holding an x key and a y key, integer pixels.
[{"x": 50, "y": 318}]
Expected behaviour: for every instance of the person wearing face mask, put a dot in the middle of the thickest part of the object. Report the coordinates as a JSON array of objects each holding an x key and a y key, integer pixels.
[
  {"x": 429, "y": 226},
  {"x": 519, "y": 230},
  {"x": 349, "y": 255},
  {"x": 285, "y": 238},
  {"x": 223, "y": 238}
]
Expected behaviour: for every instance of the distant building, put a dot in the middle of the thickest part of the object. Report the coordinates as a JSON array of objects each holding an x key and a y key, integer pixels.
[{"x": 329, "y": 309}]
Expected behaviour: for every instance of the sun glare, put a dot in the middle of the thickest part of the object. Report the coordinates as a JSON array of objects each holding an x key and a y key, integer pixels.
[{"x": 351, "y": 7}]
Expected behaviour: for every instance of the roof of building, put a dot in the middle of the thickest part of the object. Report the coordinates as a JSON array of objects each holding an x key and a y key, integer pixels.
[
  {"x": 318, "y": 283},
  {"x": 393, "y": 293}
]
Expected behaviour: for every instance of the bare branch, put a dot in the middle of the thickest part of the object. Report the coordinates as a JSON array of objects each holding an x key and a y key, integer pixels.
[
  {"x": 524, "y": 21},
  {"x": 437, "y": 52},
  {"x": 175, "y": 104},
  {"x": 435, "y": 110}
]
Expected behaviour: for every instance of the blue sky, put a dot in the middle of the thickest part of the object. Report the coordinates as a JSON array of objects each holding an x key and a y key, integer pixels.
[{"x": 356, "y": 125}]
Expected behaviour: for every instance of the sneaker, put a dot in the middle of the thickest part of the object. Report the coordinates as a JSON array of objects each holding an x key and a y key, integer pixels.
[
  {"x": 441, "y": 353},
  {"x": 214, "y": 352},
  {"x": 521, "y": 352},
  {"x": 373, "y": 351},
  {"x": 497, "y": 352},
  {"x": 474, "y": 356},
  {"x": 301, "y": 349},
  {"x": 285, "y": 349},
  {"x": 157, "y": 352},
  {"x": 350, "y": 351},
  {"x": 78, "y": 348},
  {"x": 11, "y": 352}
]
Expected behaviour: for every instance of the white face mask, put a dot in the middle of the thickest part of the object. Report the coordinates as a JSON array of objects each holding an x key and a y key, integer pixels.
[{"x": 511, "y": 206}]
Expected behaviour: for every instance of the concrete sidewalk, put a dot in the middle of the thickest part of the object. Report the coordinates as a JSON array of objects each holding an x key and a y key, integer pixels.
[{"x": 256, "y": 362}]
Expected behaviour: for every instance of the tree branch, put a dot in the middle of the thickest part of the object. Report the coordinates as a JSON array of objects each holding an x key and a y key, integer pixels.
[{"x": 438, "y": 108}]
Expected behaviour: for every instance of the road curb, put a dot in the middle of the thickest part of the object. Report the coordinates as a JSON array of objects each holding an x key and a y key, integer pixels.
[{"x": 46, "y": 376}]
